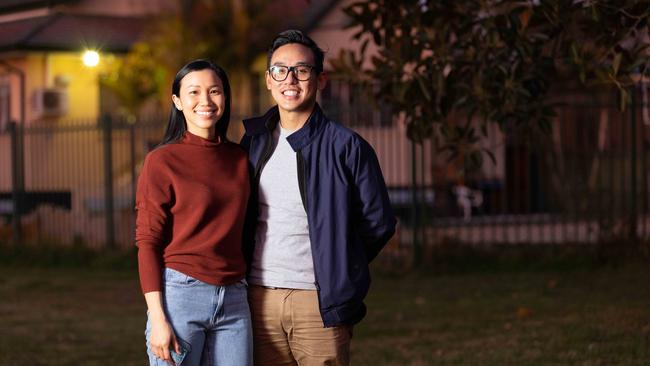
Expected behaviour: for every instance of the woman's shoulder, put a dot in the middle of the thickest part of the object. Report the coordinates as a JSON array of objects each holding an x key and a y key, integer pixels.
[
  {"x": 235, "y": 149},
  {"x": 160, "y": 154}
]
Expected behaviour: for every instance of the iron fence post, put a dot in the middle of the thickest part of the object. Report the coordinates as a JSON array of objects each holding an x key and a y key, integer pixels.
[
  {"x": 633, "y": 167},
  {"x": 16, "y": 182},
  {"x": 108, "y": 180},
  {"x": 414, "y": 209},
  {"x": 643, "y": 107},
  {"x": 132, "y": 158},
  {"x": 17, "y": 155}
]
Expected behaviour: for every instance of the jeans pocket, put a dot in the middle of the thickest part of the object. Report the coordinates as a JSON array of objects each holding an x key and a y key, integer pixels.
[
  {"x": 243, "y": 284},
  {"x": 239, "y": 290},
  {"x": 176, "y": 278}
]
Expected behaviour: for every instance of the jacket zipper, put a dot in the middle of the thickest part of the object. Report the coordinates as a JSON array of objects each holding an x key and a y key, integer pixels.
[
  {"x": 301, "y": 179},
  {"x": 264, "y": 158},
  {"x": 303, "y": 195}
]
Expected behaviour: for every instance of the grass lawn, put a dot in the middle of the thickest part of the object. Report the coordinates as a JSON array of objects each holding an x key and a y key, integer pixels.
[{"x": 601, "y": 316}]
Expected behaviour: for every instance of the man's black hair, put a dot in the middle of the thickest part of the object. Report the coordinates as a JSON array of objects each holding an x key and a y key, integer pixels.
[{"x": 296, "y": 36}]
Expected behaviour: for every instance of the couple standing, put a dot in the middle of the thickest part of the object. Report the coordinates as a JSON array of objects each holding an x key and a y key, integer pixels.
[{"x": 288, "y": 228}]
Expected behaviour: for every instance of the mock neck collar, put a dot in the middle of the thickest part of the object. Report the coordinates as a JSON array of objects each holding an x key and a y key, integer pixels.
[{"x": 192, "y": 139}]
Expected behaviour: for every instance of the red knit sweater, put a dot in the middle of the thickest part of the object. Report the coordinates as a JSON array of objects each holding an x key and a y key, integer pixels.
[{"x": 191, "y": 202}]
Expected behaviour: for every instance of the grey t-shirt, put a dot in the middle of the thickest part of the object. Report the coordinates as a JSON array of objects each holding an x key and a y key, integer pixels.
[{"x": 282, "y": 256}]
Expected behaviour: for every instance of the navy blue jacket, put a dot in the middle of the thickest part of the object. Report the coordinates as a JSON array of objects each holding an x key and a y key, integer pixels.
[{"x": 348, "y": 211}]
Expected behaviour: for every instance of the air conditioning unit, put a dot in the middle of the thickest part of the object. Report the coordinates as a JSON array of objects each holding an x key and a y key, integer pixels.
[{"x": 50, "y": 103}]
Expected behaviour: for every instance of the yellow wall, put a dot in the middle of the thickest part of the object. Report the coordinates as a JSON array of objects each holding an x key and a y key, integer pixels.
[
  {"x": 83, "y": 82},
  {"x": 42, "y": 69}
]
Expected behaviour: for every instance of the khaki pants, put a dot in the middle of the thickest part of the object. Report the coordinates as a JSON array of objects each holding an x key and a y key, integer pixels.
[{"x": 288, "y": 330}]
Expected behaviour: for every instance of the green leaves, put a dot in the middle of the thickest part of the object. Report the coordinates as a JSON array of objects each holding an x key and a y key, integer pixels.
[
  {"x": 134, "y": 79},
  {"x": 232, "y": 33},
  {"x": 495, "y": 61}
]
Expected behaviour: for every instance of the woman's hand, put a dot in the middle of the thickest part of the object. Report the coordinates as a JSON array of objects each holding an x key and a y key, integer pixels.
[{"x": 162, "y": 336}]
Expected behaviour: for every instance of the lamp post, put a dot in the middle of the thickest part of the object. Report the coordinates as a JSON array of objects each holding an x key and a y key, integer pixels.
[{"x": 17, "y": 161}]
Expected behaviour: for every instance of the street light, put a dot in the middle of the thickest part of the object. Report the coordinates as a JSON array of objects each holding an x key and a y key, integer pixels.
[{"x": 90, "y": 58}]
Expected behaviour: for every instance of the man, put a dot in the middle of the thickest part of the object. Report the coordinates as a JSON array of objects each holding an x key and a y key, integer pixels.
[{"x": 321, "y": 212}]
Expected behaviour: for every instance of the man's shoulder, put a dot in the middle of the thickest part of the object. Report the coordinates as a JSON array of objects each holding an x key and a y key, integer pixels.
[
  {"x": 254, "y": 125},
  {"x": 258, "y": 124},
  {"x": 341, "y": 133},
  {"x": 346, "y": 138}
]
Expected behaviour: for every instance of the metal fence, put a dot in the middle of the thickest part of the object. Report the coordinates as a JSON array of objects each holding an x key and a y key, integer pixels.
[
  {"x": 79, "y": 181},
  {"x": 585, "y": 182}
]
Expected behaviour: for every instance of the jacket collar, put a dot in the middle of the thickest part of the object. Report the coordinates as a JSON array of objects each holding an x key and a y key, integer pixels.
[
  {"x": 299, "y": 139},
  {"x": 267, "y": 122}
]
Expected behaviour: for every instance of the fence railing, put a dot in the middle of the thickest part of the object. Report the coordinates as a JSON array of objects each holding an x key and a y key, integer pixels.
[
  {"x": 79, "y": 181},
  {"x": 586, "y": 181}
]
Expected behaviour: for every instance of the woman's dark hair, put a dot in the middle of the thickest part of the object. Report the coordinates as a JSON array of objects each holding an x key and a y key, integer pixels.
[
  {"x": 295, "y": 36},
  {"x": 177, "y": 125}
]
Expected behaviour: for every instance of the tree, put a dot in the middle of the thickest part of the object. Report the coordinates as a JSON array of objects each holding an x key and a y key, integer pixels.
[
  {"x": 134, "y": 79},
  {"x": 232, "y": 33},
  {"x": 494, "y": 61}
]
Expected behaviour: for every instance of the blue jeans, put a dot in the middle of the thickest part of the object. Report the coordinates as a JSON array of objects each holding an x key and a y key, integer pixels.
[{"x": 212, "y": 323}]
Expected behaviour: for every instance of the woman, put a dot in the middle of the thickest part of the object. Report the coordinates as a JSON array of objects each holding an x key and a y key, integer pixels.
[{"x": 191, "y": 202}]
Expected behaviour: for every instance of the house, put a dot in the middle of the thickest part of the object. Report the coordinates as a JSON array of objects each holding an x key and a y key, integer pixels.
[
  {"x": 45, "y": 84},
  {"x": 50, "y": 87},
  {"x": 51, "y": 56},
  {"x": 45, "y": 41}
]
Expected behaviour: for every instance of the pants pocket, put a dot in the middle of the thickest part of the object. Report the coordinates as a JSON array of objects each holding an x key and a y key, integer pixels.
[{"x": 175, "y": 278}]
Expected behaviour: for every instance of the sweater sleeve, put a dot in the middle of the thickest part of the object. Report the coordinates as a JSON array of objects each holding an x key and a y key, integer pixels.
[{"x": 153, "y": 199}]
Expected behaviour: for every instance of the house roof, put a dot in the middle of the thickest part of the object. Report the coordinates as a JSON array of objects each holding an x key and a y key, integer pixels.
[
  {"x": 10, "y": 6},
  {"x": 66, "y": 32},
  {"x": 300, "y": 14},
  {"x": 316, "y": 13}
]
